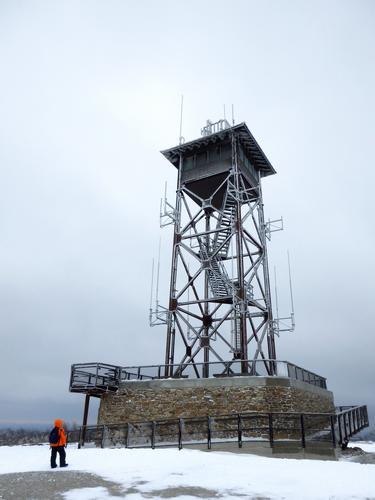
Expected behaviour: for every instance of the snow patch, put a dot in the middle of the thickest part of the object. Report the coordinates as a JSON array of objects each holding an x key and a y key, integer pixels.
[{"x": 99, "y": 493}]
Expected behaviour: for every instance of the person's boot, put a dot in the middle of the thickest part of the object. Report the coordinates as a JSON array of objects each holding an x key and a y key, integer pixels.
[{"x": 64, "y": 465}]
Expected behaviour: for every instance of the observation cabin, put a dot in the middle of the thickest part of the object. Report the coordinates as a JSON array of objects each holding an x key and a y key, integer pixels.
[{"x": 205, "y": 162}]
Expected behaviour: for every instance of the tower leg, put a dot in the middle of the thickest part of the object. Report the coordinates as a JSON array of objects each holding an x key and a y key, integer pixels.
[
  {"x": 169, "y": 354},
  {"x": 205, "y": 339},
  {"x": 84, "y": 421},
  {"x": 267, "y": 286},
  {"x": 240, "y": 263}
]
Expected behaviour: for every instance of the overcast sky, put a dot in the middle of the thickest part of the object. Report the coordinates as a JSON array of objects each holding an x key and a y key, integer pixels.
[{"x": 89, "y": 95}]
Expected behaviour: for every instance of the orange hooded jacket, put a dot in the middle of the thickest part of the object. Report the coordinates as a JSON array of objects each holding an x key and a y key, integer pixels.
[{"x": 62, "y": 440}]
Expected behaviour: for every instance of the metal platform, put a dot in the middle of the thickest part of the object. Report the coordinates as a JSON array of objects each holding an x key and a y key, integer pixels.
[{"x": 95, "y": 379}]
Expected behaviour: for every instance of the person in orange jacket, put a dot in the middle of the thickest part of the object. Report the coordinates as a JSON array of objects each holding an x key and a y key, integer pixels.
[{"x": 57, "y": 441}]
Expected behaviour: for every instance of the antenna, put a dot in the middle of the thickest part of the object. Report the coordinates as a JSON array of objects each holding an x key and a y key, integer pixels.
[
  {"x": 224, "y": 113},
  {"x": 276, "y": 295},
  {"x": 291, "y": 289},
  {"x": 181, "y": 139},
  {"x": 157, "y": 276},
  {"x": 284, "y": 324},
  {"x": 152, "y": 283},
  {"x": 159, "y": 315},
  {"x": 232, "y": 114},
  {"x": 165, "y": 191},
  {"x": 167, "y": 211}
]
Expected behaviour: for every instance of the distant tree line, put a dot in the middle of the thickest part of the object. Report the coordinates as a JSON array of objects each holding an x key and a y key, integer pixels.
[{"x": 11, "y": 437}]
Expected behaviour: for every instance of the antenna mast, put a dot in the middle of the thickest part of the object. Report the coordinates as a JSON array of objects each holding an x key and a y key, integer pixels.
[
  {"x": 181, "y": 138},
  {"x": 291, "y": 293}
]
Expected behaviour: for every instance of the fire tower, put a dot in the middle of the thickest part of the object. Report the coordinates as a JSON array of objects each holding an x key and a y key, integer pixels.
[
  {"x": 220, "y": 301},
  {"x": 220, "y": 381}
]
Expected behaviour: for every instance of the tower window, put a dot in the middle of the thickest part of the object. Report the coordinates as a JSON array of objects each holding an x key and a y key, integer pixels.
[
  {"x": 189, "y": 163},
  {"x": 201, "y": 158}
]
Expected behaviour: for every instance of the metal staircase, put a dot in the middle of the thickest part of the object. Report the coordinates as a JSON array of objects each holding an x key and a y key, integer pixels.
[
  {"x": 221, "y": 285},
  {"x": 225, "y": 224},
  {"x": 236, "y": 330}
]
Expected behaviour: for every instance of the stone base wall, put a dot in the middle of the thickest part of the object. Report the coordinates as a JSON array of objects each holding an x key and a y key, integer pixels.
[{"x": 140, "y": 401}]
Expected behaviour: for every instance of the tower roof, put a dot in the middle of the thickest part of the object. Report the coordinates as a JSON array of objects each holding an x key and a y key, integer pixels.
[{"x": 254, "y": 151}]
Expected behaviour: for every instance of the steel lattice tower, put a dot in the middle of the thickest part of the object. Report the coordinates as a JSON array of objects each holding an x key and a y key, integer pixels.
[{"x": 220, "y": 301}]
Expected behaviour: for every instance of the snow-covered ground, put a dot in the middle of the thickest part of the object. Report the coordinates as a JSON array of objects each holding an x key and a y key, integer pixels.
[{"x": 229, "y": 475}]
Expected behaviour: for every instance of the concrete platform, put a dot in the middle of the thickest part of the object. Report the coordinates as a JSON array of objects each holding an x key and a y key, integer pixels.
[{"x": 149, "y": 400}]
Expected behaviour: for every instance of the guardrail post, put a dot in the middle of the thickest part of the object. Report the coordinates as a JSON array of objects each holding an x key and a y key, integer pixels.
[
  {"x": 179, "y": 434},
  {"x": 102, "y": 438},
  {"x": 353, "y": 421},
  {"x": 209, "y": 433},
  {"x": 346, "y": 426},
  {"x": 339, "y": 423},
  {"x": 271, "y": 368},
  {"x": 350, "y": 417},
  {"x": 270, "y": 428},
  {"x": 118, "y": 375},
  {"x": 80, "y": 438},
  {"x": 333, "y": 433},
  {"x": 358, "y": 418},
  {"x": 303, "y": 437},
  {"x": 239, "y": 430},
  {"x": 153, "y": 435},
  {"x": 127, "y": 436}
]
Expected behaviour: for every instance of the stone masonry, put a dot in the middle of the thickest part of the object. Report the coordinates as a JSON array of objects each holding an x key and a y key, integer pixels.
[{"x": 137, "y": 401}]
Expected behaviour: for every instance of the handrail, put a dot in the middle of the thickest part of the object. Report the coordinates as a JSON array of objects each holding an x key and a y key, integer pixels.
[
  {"x": 302, "y": 428},
  {"x": 102, "y": 377},
  {"x": 350, "y": 420}
]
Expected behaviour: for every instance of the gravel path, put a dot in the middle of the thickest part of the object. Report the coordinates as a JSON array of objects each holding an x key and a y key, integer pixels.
[{"x": 51, "y": 485}]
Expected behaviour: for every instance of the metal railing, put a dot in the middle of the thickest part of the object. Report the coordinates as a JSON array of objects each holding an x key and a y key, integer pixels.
[
  {"x": 301, "y": 429},
  {"x": 96, "y": 378},
  {"x": 350, "y": 420}
]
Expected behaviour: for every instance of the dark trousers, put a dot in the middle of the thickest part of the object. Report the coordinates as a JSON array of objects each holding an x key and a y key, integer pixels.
[{"x": 57, "y": 450}]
